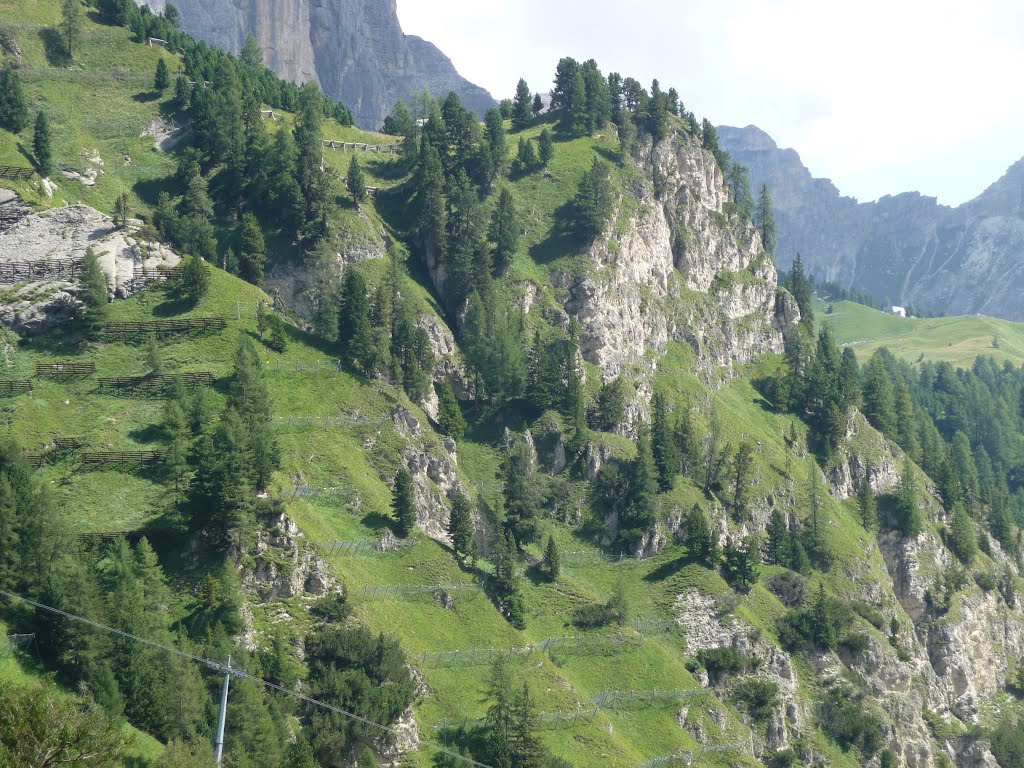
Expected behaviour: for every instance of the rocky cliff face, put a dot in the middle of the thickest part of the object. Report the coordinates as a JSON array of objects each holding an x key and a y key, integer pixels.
[
  {"x": 907, "y": 248},
  {"x": 40, "y": 252},
  {"x": 355, "y": 49},
  {"x": 684, "y": 268}
]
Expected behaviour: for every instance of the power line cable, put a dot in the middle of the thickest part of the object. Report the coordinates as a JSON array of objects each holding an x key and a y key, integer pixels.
[{"x": 219, "y": 667}]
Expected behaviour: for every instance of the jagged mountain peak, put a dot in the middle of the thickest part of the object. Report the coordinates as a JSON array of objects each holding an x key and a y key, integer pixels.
[{"x": 905, "y": 247}]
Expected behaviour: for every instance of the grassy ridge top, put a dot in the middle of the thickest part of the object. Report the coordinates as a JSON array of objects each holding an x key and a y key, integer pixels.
[{"x": 958, "y": 340}]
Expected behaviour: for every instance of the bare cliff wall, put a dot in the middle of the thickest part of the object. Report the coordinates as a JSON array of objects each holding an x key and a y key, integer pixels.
[{"x": 355, "y": 49}]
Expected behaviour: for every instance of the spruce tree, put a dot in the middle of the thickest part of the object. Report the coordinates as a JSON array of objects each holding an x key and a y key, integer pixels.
[
  {"x": 42, "y": 145},
  {"x": 354, "y": 330},
  {"x": 521, "y": 106},
  {"x": 94, "y": 283},
  {"x": 162, "y": 78},
  {"x": 526, "y": 156},
  {"x": 552, "y": 559},
  {"x": 356, "y": 181},
  {"x": 594, "y": 201},
  {"x": 451, "y": 422},
  {"x": 962, "y": 540},
  {"x": 121, "y": 210},
  {"x": 699, "y": 538},
  {"x": 70, "y": 26},
  {"x": 545, "y": 147},
  {"x": 867, "y": 505},
  {"x": 403, "y": 504},
  {"x": 194, "y": 281},
  {"x": 909, "y": 517},
  {"x": 664, "y": 443},
  {"x": 538, "y": 105},
  {"x": 527, "y": 750},
  {"x": 800, "y": 287},
  {"x": 504, "y": 231},
  {"x": 523, "y": 497},
  {"x": 497, "y": 145},
  {"x": 776, "y": 545},
  {"x": 742, "y": 469},
  {"x": 764, "y": 220},
  {"x": 460, "y": 524},
  {"x": 309, "y": 174},
  {"x": 14, "y": 113},
  {"x": 639, "y": 515},
  {"x": 432, "y": 216},
  {"x": 252, "y": 253}
]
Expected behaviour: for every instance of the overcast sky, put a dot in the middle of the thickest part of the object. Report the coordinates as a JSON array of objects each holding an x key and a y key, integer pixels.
[{"x": 881, "y": 96}]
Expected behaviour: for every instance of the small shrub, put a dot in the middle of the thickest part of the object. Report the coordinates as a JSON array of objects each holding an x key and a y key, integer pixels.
[
  {"x": 845, "y": 718},
  {"x": 757, "y": 697},
  {"x": 721, "y": 662},
  {"x": 332, "y": 608},
  {"x": 855, "y": 643},
  {"x": 985, "y": 580},
  {"x": 594, "y": 615},
  {"x": 870, "y": 614},
  {"x": 787, "y": 758},
  {"x": 789, "y": 587}
]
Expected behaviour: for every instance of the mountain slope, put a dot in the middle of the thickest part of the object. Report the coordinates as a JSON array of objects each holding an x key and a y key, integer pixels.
[
  {"x": 905, "y": 248},
  {"x": 354, "y": 48}
]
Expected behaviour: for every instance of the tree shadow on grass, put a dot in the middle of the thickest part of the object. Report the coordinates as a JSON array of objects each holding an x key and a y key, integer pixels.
[
  {"x": 560, "y": 240},
  {"x": 671, "y": 568},
  {"x": 379, "y": 523},
  {"x": 172, "y": 306},
  {"x": 610, "y": 155},
  {"x": 53, "y": 46},
  {"x": 146, "y": 97},
  {"x": 151, "y": 433}
]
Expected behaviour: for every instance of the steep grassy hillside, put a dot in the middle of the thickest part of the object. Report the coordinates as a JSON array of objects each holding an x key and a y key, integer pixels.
[
  {"x": 699, "y": 669},
  {"x": 957, "y": 340}
]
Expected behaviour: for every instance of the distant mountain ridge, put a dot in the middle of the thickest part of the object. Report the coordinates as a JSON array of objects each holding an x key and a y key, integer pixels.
[
  {"x": 906, "y": 248},
  {"x": 355, "y": 49}
]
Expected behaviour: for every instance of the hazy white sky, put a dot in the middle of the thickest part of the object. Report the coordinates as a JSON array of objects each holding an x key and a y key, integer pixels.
[{"x": 881, "y": 96}]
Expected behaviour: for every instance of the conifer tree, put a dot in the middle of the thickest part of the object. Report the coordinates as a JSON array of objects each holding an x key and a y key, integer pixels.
[
  {"x": 800, "y": 287},
  {"x": 252, "y": 250},
  {"x": 195, "y": 230},
  {"x": 764, "y": 219},
  {"x": 742, "y": 468},
  {"x": 521, "y": 106},
  {"x": 687, "y": 442},
  {"x": 777, "y": 542},
  {"x": 354, "y": 330},
  {"x": 962, "y": 539},
  {"x": 594, "y": 201},
  {"x": 664, "y": 443},
  {"x": 403, "y": 504},
  {"x": 504, "y": 231},
  {"x": 522, "y": 493},
  {"x": 70, "y": 26},
  {"x": 527, "y": 750},
  {"x": 552, "y": 559},
  {"x": 356, "y": 181},
  {"x": 643, "y": 490},
  {"x": 460, "y": 525},
  {"x": 699, "y": 538},
  {"x": 94, "y": 292},
  {"x": 42, "y": 145},
  {"x": 740, "y": 562},
  {"x": 178, "y": 446},
  {"x": 909, "y": 517},
  {"x": 545, "y": 147},
  {"x": 867, "y": 505},
  {"x": 194, "y": 280},
  {"x": 121, "y": 212},
  {"x": 162, "y": 78},
  {"x": 310, "y": 175},
  {"x": 497, "y": 144},
  {"x": 432, "y": 216},
  {"x": 400, "y": 122},
  {"x": 450, "y": 419},
  {"x": 526, "y": 156},
  {"x": 14, "y": 114},
  {"x": 538, "y": 105}
]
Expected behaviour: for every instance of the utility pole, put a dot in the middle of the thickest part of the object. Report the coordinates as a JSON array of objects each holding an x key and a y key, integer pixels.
[{"x": 219, "y": 743}]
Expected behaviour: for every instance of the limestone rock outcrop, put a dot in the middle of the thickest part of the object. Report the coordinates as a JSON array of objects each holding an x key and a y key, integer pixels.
[
  {"x": 48, "y": 244},
  {"x": 355, "y": 49}
]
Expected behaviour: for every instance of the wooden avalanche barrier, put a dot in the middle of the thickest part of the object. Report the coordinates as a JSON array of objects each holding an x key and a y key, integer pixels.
[
  {"x": 65, "y": 369},
  {"x": 163, "y": 327}
]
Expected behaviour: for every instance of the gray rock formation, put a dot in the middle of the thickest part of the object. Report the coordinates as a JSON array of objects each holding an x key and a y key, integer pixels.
[
  {"x": 48, "y": 297},
  {"x": 906, "y": 248},
  {"x": 355, "y": 49}
]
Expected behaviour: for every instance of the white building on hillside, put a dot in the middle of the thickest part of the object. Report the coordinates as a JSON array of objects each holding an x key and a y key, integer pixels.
[{"x": 900, "y": 311}]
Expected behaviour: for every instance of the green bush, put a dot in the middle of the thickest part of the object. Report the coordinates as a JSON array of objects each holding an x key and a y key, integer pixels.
[
  {"x": 756, "y": 696},
  {"x": 845, "y": 717},
  {"x": 721, "y": 662}
]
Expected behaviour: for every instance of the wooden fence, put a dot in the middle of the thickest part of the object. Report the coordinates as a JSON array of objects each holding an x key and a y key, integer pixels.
[
  {"x": 163, "y": 327},
  {"x": 40, "y": 268},
  {"x": 65, "y": 369},
  {"x": 59, "y": 445},
  {"x": 150, "y": 384},
  {"x": 15, "y": 172},
  {"x": 10, "y": 387},
  {"x": 120, "y": 458},
  {"x": 143, "y": 276},
  {"x": 387, "y": 149}
]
